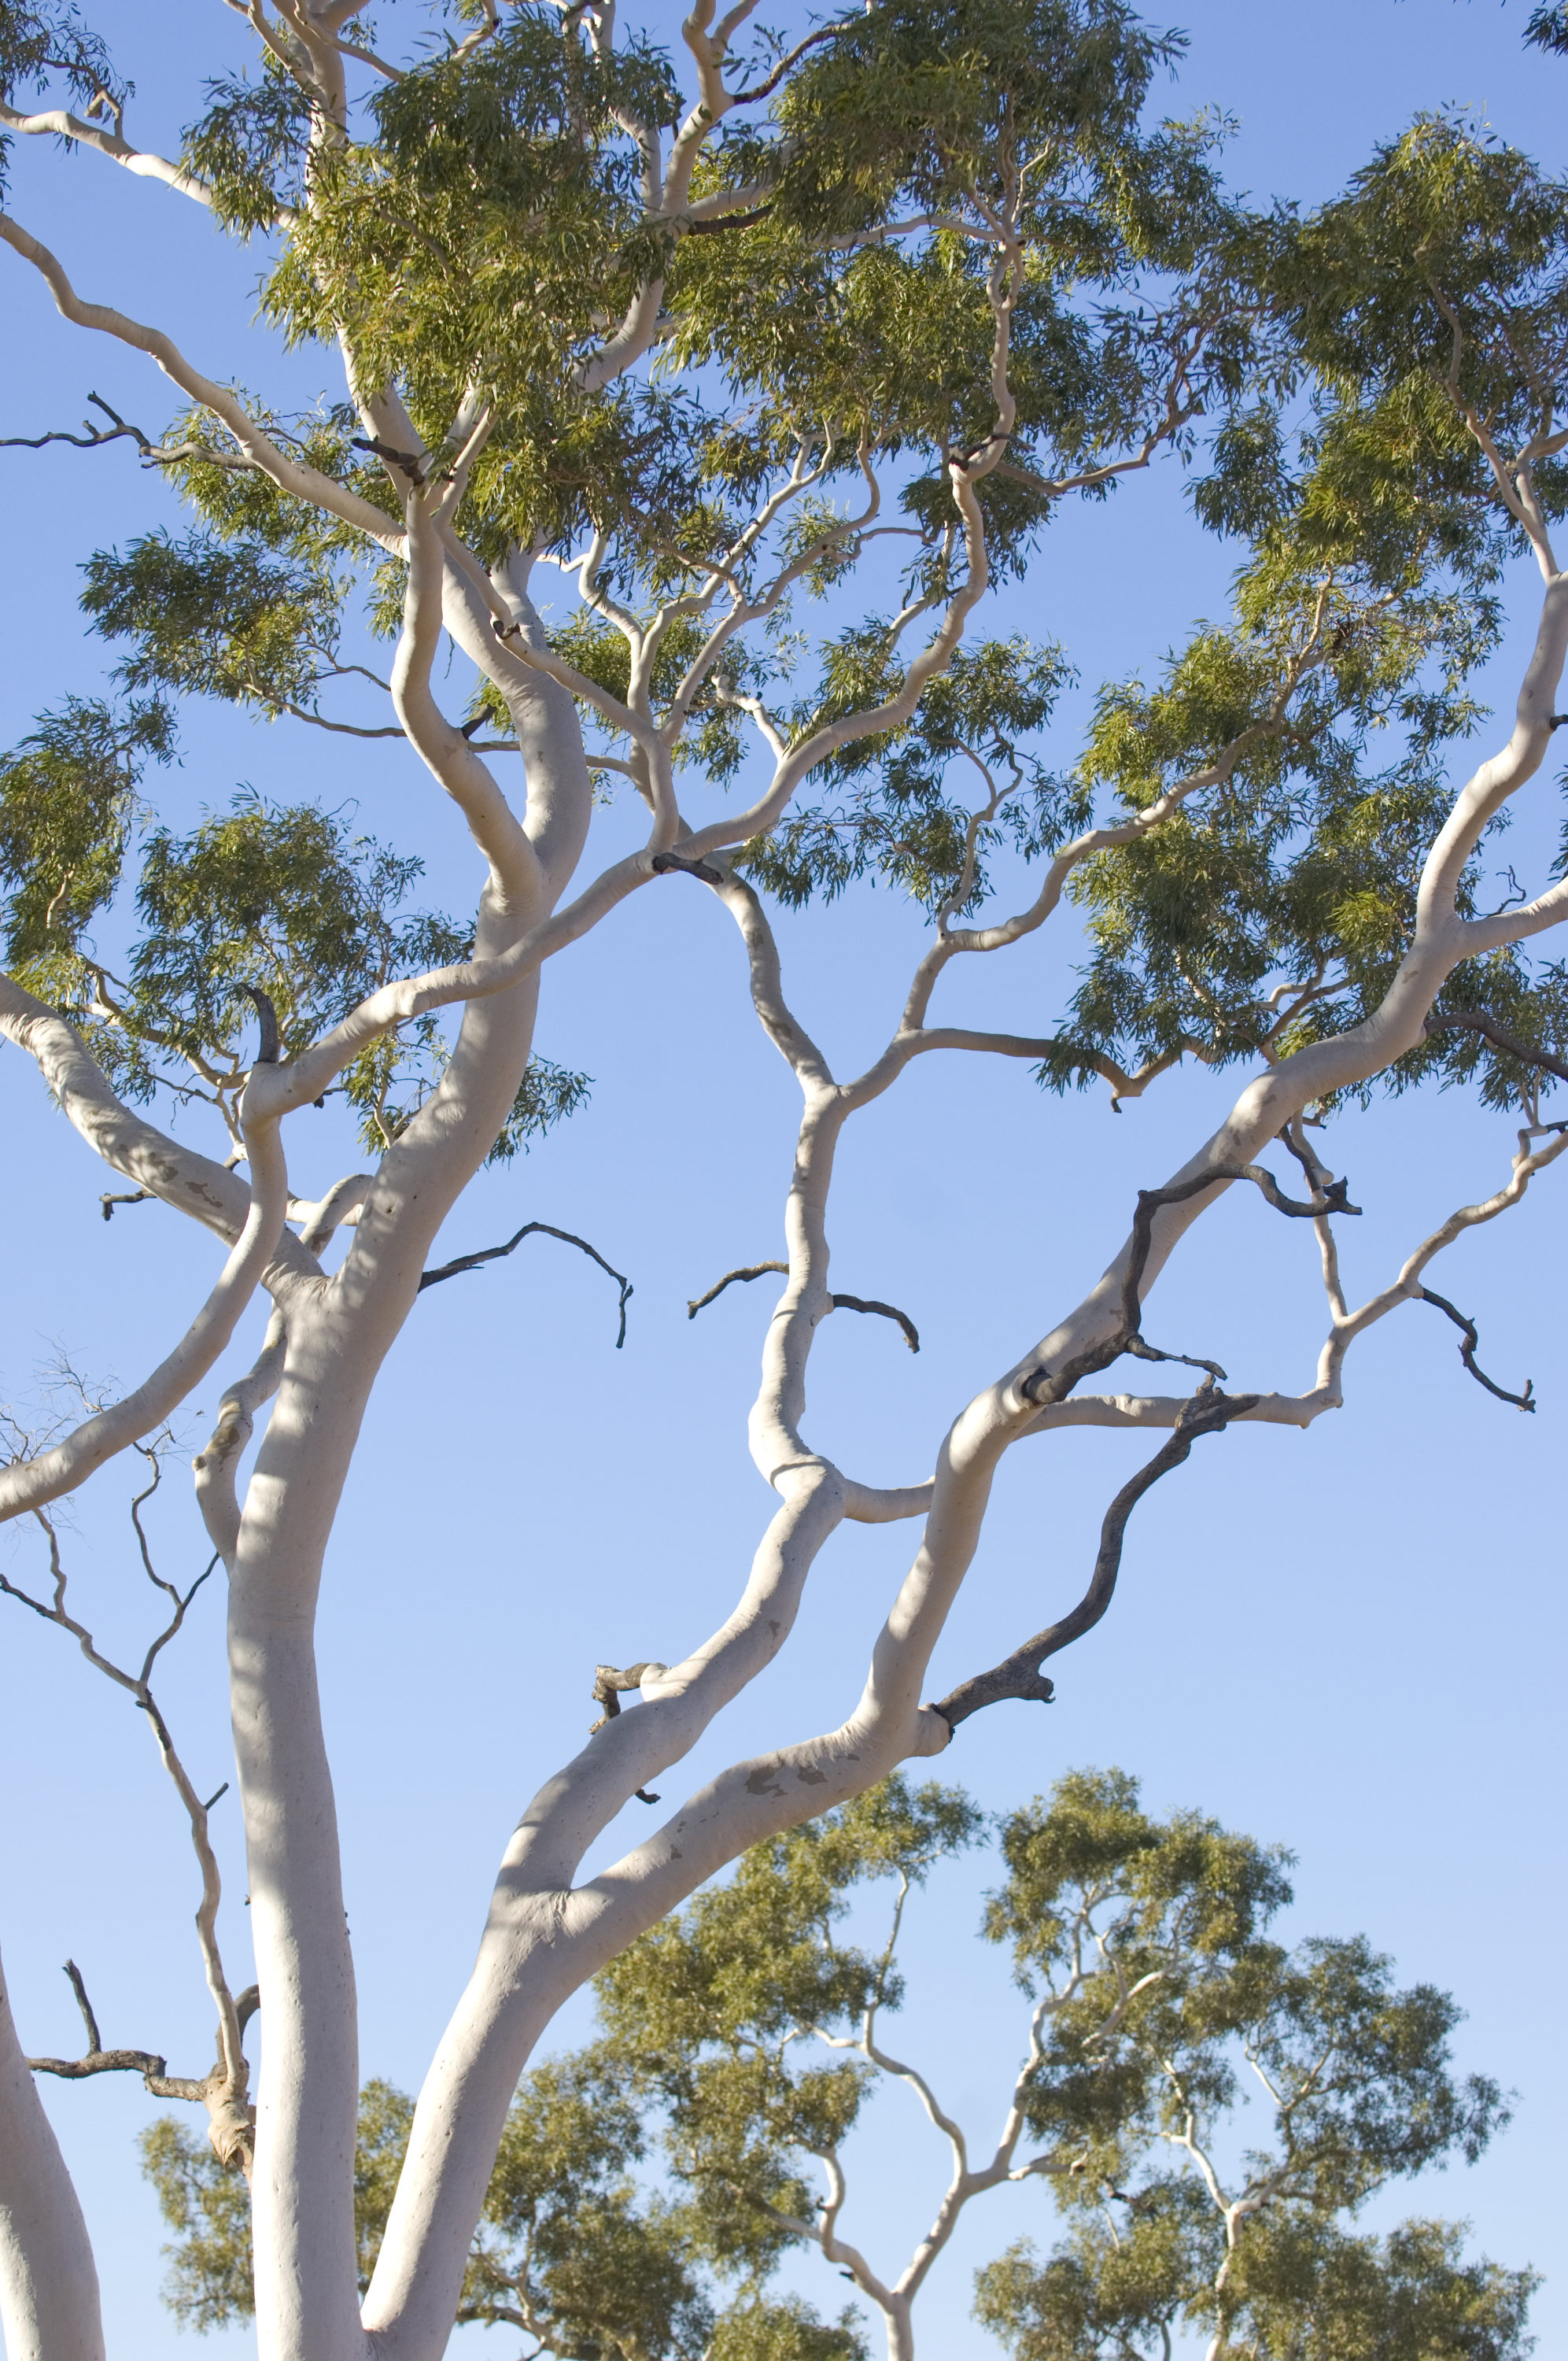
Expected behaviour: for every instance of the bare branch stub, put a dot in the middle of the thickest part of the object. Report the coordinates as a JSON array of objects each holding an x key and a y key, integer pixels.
[
  {"x": 136, "y": 1197},
  {"x": 269, "y": 1048},
  {"x": 665, "y": 863},
  {"x": 1019, "y": 1675},
  {"x": 1467, "y": 1353},
  {"x": 609, "y": 1682},
  {"x": 887, "y": 1311},
  {"x": 546, "y": 1229},
  {"x": 747, "y": 1271}
]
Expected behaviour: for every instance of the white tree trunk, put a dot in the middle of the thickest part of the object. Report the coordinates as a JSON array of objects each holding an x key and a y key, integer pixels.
[{"x": 49, "y": 2282}]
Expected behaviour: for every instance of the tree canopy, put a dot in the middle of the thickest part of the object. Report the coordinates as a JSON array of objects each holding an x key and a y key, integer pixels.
[{"x": 781, "y": 357}]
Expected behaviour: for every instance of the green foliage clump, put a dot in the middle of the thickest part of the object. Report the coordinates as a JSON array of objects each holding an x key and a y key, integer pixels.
[
  {"x": 284, "y": 899},
  {"x": 69, "y": 803},
  {"x": 39, "y": 45},
  {"x": 906, "y": 795},
  {"x": 208, "y": 2207},
  {"x": 210, "y": 619}
]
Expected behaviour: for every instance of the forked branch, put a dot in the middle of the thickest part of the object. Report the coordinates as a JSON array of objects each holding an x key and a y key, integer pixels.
[
  {"x": 224, "y": 2091},
  {"x": 1044, "y": 1385}
]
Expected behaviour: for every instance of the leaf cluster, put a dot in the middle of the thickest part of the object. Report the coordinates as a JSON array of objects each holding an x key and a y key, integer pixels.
[
  {"x": 906, "y": 795},
  {"x": 285, "y": 899},
  {"x": 41, "y": 44}
]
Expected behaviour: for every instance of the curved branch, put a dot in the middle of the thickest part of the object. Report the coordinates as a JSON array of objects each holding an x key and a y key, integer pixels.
[
  {"x": 887, "y": 1311},
  {"x": 82, "y": 133},
  {"x": 29, "y": 1484},
  {"x": 747, "y": 1271},
  {"x": 493, "y": 1253},
  {"x": 1478, "y": 1020},
  {"x": 290, "y": 475},
  {"x": 1467, "y": 1353},
  {"x": 1019, "y": 1675}
]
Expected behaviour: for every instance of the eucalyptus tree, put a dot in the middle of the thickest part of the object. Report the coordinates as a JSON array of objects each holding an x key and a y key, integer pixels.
[
  {"x": 705, "y": 335},
  {"x": 1154, "y": 1994},
  {"x": 743, "y": 2042}
]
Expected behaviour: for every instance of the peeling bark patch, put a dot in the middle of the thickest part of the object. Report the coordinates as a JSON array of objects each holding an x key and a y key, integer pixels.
[
  {"x": 762, "y": 1782},
  {"x": 809, "y": 1776},
  {"x": 774, "y": 1627}
]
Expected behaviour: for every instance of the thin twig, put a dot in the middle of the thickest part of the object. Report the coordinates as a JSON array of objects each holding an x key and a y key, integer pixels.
[
  {"x": 493, "y": 1253},
  {"x": 1467, "y": 1353},
  {"x": 840, "y": 1303}
]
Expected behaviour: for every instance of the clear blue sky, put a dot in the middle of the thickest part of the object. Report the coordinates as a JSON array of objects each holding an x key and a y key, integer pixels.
[{"x": 1347, "y": 1642}]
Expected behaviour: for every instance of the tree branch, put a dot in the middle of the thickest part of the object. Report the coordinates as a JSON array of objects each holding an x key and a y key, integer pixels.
[
  {"x": 1019, "y": 1675},
  {"x": 1478, "y": 1020},
  {"x": 493, "y": 1253},
  {"x": 1467, "y": 1353}
]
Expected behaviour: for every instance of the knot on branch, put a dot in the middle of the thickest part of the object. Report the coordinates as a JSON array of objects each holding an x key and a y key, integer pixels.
[
  {"x": 610, "y": 1682},
  {"x": 231, "y": 2127},
  {"x": 410, "y": 462},
  {"x": 662, "y": 863}
]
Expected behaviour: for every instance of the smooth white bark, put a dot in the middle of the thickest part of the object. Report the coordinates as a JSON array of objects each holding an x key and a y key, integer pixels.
[{"x": 49, "y": 2282}]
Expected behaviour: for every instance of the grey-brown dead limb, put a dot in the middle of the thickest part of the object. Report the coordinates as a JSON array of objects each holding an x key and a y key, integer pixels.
[
  {"x": 547, "y": 1229},
  {"x": 1047, "y": 1386},
  {"x": 224, "y": 2091},
  {"x": 609, "y": 1681},
  {"x": 840, "y": 1303},
  {"x": 1019, "y": 1675},
  {"x": 1479, "y": 1020},
  {"x": 1469, "y": 1348}
]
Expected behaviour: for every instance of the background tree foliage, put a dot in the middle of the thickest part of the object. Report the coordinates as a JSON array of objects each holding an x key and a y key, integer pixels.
[{"x": 1213, "y": 2112}]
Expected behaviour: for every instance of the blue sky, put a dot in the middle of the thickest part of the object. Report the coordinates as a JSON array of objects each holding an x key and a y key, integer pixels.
[{"x": 1345, "y": 1640}]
